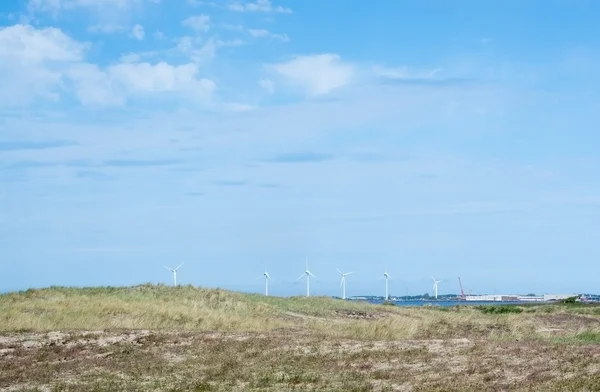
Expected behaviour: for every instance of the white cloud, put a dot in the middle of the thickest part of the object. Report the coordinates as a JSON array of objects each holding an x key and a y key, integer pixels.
[
  {"x": 196, "y": 3},
  {"x": 267, "y": 85},
  {"x": 106, "y": 15},
  {"x": 200, "y": 50},
  {"x": 113, "y": 85},
  {"x": 403, "y": 73},
  {"x": 93, "y": 86},
  {"x": 198, "y": 23},
  {"x": 31, "y": 59},
  {"x": 54, "y": 6},
  {"x": 131, "y": 58},
  {"x": 159, "y": 35},
  {"x": 116, "y": 83},
  {"x": 145, "y": 77},
  {"x": 259, "y": 6},
  {"x": 48, "y": 64},
  {"x": 138, "y": 32},
  {"x": 317, "y": 74},
  {"x": 262, "y": 33}
]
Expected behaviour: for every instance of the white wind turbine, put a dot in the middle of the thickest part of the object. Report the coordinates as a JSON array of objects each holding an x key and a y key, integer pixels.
[
  {"x": 387, "y": 277},
  {"x": 343, "y": 283},
  {"x": 267, "y": 278},
  {"x": 174, "y": 273},
  {"x": 307, "y": 274},
  {"x": 435, "y": 286}
]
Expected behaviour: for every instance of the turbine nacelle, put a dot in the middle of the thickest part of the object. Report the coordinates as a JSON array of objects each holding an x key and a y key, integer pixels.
[
  {"x": 307, "y": 274},
  {"x": 267, "y": 279},
  {"x": 174, "y": 271}
]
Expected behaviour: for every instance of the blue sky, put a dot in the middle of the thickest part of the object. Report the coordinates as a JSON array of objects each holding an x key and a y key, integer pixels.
[{"x": 439, "y": 138}]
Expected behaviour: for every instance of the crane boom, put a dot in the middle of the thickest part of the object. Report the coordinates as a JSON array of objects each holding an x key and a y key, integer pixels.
[{"x": 462, "y": 292}]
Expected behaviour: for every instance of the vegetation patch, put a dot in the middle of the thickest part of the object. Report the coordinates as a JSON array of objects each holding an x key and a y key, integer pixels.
[
  {"x": 159, "y": 338},
  {"x": 499, "y": 309}
]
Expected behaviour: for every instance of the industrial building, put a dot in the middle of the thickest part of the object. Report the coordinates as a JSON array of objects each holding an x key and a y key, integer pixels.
[
  {"x": 558, "y": 297},
  {"x": 515, "y": 298},
  {"x": 492, "y": 298}
]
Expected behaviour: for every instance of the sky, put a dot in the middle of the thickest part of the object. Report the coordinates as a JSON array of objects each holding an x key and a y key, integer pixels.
[{"x": 426, "y": 138}]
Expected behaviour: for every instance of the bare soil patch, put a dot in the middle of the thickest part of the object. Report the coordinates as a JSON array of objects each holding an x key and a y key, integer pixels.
[{"x": 280, "y": 361}]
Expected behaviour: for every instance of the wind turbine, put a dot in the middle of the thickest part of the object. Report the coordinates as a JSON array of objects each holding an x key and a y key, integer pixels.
[
  {"x": 174, "y": 273},
  {"x": 387, "y": 277},
  {"x": 307, "y": 274},
  {"x": 435, "y": 286},
  {"x": 267, "y": 278},
  {"x": 343, "y": 283}
]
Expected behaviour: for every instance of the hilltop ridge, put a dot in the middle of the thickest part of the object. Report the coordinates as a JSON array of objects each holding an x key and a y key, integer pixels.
[{"x": 159, "y": 338}]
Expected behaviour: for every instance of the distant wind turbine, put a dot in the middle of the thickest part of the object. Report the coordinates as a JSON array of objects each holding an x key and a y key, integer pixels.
[
  {"x": 267, "y": 278},
  {"x": 343, "y": 283},
  {"x": 307, "y": 274},
  {"x": 387, "y": 277},
  {"x": 435, "y": 286},
  {"x": 174, "y": 273}
]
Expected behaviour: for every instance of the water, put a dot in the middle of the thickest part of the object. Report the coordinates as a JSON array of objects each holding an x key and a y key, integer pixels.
[{"x": 446, "y": 303}]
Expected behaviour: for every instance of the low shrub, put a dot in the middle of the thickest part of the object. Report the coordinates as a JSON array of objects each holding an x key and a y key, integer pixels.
[{"x": 498, "y": 309}]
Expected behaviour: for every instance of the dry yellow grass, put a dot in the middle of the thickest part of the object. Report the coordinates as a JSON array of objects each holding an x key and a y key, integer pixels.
[{"x": 185, "y": 338}]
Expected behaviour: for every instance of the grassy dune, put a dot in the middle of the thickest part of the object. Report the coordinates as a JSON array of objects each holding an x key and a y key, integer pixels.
[{"x": 188, "y": 339}]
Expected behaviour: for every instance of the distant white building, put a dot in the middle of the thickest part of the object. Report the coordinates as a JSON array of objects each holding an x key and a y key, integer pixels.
[
  {"x": 558, "y": 297},
  {"x": 531, "y": 298},
  {"x": 492, "y": 298}
]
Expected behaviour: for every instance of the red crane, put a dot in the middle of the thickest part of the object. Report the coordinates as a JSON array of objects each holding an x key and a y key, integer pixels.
[{"x": 462, "y": 292}]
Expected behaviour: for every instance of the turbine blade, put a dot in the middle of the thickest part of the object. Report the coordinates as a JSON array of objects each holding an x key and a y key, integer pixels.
[
  {"x": 339, "y": 271},
  {"x": 179, "y": 266},
  {"x": 349, "y": 273},
  {"x": 311, "y": 274},
  {"x": 301, "y": 276},
  {"x": 170, "y": 269},
  {"x": 342, "y": 282},
  {"x": 258, "y": 278},
  {"x": 268, "y": 276}
]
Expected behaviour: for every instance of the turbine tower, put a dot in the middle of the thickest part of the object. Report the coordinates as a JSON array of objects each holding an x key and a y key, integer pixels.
[
  {"x": 174, "y": 273},
  {"x": 267, "y": 278},
  {"x": 343, "y": 283},
  {"x": 307, "y": 274},
  {"x": 435, "y": 286},
  {"x": 387, "y": 277}
]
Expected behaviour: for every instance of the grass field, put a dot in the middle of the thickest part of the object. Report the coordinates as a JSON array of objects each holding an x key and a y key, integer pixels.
[{"x": 158, "y": 338}]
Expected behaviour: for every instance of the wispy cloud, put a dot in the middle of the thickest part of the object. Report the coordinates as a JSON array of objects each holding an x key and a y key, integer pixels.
[
  {"x": 92, "y": 175},
  {"x": 301, "y": 157},
  {"x": 262, "y": 33},
  {"x": 107, "y": 249},
  {"x": 258, "y": 6},
  {"x": 200, "y": 23},
  {"x": 139, "y": 163},
  {"x": 230, "y": 183},
  {"x": 316, "y": 74},
  {"x": 138, "y": 32},
  {"x": 34, "y": 145}
]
